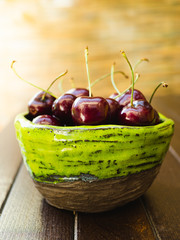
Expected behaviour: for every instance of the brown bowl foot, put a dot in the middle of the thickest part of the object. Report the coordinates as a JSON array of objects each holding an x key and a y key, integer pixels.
[{"x": 97, "y": 196}]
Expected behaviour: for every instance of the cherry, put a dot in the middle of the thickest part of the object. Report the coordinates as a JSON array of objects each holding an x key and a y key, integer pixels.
[
  {"x": 46, "y": 120},
  {"x": 90, "y": 110},
  {"x": 135, "y": 112},
  {"x": 78, "y": 92},
  {"x": 61, "y": 108},
  {"x": 140, "y": 114},
  {"x": 40, "y": 104},
  {"x": 113, "y": 111},
  {"x": 125, "y": 98}
]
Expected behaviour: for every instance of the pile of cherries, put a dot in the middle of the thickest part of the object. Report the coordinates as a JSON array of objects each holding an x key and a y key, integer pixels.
[{"x": 78, "y": 107}]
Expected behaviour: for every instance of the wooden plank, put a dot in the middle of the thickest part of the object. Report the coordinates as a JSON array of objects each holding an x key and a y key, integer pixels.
[
  {"x": 161, "y": 204},
  {"x": 10, "y": 159},
  {"x": 169, "y": 106},
  {"x": 26, "y": 215},
  {"x": 128, "y": 222},
  {"x": 162, "y": 200}
]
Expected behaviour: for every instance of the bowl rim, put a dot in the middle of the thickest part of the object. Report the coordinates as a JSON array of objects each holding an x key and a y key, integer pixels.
[{"x": 24, "y": 122}]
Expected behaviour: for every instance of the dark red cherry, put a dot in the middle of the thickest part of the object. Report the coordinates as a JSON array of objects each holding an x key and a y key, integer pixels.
[
  {"x": 113, "y": 110},
  {"x": 125, "y": 99},
  {"x": 140, "y": 114},
  {"x": 40, "y": 104},
  {"x": 61, "y": 108},
  {"x": 79, "y": 92},
  {"x": 46, "y": 120},
  {"x": 89, "y": 110}
]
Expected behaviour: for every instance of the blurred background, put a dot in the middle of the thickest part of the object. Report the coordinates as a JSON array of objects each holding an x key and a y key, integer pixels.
[{"x": 46, "y": 37}]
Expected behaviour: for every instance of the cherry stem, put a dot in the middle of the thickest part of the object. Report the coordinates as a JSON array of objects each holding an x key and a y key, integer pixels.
[
  {"x": 87, "y": 69},
  {"x": 61, "y": 75},
  {"x": 140, "y": 61},
  {"x": 107, "y": 75},
  {"x": 161, "y": 83},
  {"x": 12, "y": 66},
  {"x": 132, "y": 71},
  {"x": 112, "y": 79},
  {"x": 137, "y": 77},
  {"x": 60, "y": 86}
]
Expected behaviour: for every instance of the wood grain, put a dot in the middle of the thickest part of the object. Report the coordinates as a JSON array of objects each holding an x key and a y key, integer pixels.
[
  {"x": 162, "y": 200},
  {"x": 27, "y": 216},
  {"x": 10, "y": 159},
  {"x": 161, "y": 205},
  {"x": 169, "y": 106},
  {"x": 128, "y": 222}
]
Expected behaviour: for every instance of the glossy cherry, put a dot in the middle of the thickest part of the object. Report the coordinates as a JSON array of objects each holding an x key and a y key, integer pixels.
[
  {"x": 125, "y": 99},
  {"x": 46, "y": 120},
  {"x": 61, "y": 108},
  {"x": 40, "y": 104},
  {"x": 135, "y": 112},
  {"x": 140, "y": 114},
  {"x": 90, "y": 110},
  {"x": 114, "y": 108},
  {"x": 79, "y": 92}
]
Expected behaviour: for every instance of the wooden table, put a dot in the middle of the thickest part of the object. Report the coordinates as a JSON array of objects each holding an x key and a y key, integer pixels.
[{"x": 48, "y": 37}]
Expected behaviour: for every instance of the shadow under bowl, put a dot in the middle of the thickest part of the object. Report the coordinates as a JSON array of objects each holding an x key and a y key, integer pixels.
[{"x": 92, "y": 168}]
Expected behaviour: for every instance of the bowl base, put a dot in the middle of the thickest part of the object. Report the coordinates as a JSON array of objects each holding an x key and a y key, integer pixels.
[{"x": 99, "y": 195}]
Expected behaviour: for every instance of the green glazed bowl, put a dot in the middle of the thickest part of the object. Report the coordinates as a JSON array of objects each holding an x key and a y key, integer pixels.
[{"x": 92, "y": 168}]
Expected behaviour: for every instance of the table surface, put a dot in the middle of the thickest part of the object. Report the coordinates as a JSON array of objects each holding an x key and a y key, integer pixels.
[{"x": 48, "y": 37}]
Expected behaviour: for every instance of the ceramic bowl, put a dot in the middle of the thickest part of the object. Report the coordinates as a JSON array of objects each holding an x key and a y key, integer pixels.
[{"x": 92, "y": 168}]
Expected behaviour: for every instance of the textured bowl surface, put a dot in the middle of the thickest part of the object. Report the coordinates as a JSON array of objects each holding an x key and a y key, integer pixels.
[{"x": 63, "y": 158}]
